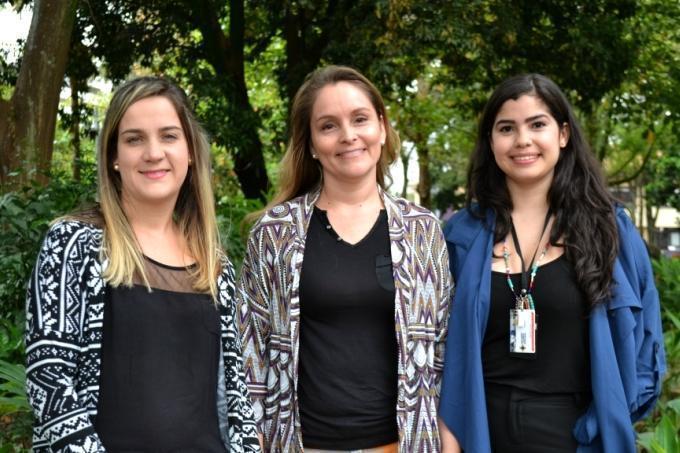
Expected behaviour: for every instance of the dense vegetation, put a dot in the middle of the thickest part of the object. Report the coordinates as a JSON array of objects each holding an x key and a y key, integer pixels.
[{"x": 241, "y": 61}]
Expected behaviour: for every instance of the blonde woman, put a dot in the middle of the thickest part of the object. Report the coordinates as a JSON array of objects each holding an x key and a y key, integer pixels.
[
  {"x": 131, "y": 342},
  {"x": 344, "y": 292}
]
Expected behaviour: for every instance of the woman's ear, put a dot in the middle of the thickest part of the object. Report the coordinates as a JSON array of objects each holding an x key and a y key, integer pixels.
[{"x": 564, "y": 135}]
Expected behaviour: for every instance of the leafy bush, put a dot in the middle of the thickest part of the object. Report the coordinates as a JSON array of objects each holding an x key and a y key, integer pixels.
[
  {"x": 231, "y": 211},
  {"x": 25, "y": 216},
  {"x": 660, "y": 433},
  {"x": 667, "y": 273}
]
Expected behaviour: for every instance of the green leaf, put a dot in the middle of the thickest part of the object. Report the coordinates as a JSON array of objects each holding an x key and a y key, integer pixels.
[
  {"x": 645, "y": 439},
  {"x": 667, "y": 435},
  {"x": 675, "y": 405}
]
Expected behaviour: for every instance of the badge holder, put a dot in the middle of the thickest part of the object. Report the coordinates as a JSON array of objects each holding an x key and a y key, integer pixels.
[{"x": 523, "y": 333}]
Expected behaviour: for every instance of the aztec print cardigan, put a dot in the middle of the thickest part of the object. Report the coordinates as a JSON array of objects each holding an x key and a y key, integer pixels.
[
  {"x": 268, "y": 300},
  {"x": 64, "y": 319}
]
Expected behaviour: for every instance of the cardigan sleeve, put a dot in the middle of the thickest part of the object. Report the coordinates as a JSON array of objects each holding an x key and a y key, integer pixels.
[
  {"x": 444, "y": 292},
  {"x": 57, "y": 289},
  {"x": 253, "y": 295},
  {"x": 242, "y": 431}
]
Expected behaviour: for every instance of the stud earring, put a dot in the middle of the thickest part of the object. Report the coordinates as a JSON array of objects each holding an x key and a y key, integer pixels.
[
  {"x": 190, "y": 161},
  {"x": 116, "y": 167}
]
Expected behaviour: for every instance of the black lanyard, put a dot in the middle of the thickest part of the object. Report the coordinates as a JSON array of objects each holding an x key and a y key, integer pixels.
[{"x": 525, "y": 273}]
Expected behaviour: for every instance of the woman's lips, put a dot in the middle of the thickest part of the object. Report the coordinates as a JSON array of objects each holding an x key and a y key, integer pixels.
[
  {"x": 155, "y": 174},
  {"x": 525, "y": 158},
  {"x": 350, "y": 153}
]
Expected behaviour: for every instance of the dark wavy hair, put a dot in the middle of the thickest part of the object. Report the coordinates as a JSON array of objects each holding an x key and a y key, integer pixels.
[{"x": 578, "y": 197}]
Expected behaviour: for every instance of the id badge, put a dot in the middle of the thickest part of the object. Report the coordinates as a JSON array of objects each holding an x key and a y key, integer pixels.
[{"x": 522, "y": 332}]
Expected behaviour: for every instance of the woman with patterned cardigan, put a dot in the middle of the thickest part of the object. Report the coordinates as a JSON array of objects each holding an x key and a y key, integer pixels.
[
  {"x": 131, "y": 340},
  {"x": 344, "y": 293}
]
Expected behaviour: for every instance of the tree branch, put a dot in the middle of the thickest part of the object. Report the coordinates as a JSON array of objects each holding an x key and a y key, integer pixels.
[{"x": 639, "y": 171}]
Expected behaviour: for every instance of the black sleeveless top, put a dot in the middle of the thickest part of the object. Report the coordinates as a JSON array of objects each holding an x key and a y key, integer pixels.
[
  {"x": 160, "y": 358},
  {"x": 562, "y": 360}
]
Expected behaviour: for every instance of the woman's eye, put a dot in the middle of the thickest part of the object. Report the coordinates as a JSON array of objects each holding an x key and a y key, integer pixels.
[
  {"x": 133, "y": 140},
  {"x": 360, "y": 119},
  {"x": 538, "y": 124},
  {"x": 327, "y": 126},
  {"x": 169, "y": 137},
  {"x": 505, "y": 129}
]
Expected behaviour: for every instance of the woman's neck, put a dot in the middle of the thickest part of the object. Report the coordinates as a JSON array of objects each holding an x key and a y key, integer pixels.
[
  {"x": 149, "y": 218},
  {"x": 529, "y": 201},
  {"x": 157, "y": 234},
  {"x": 336, "y": 194}
]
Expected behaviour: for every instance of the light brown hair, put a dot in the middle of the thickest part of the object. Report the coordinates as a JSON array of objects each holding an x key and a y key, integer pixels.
[{"x": 300, "y": 173}]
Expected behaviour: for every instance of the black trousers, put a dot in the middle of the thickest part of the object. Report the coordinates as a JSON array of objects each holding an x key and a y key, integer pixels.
[{"x": 531, "y": 422}]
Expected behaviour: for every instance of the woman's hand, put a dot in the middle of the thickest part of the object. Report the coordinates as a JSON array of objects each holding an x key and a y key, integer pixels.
[{"x": 448, "y": 441}]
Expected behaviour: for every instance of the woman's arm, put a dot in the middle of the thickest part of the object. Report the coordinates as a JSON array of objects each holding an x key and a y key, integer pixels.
[
  {"x": 55, "y": 311},
  {"x": 444, "y": 294}
]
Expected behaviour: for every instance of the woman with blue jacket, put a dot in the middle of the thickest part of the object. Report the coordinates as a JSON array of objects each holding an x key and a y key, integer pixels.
[{"x": 555, "y": 339}]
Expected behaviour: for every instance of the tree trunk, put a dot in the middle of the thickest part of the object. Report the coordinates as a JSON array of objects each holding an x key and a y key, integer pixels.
[
  {"x": 424, "y": 180},
  {"x": 227, "y": 58},
  {"x": 28, "y": 119},
  {"x": 303, "y": 52},
  {"x": 405, "y": 157},
  {"x": 76, "y": 88}
]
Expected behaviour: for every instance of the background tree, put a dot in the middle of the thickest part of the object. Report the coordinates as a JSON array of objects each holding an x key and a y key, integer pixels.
[{"x": 27, "y": 119}]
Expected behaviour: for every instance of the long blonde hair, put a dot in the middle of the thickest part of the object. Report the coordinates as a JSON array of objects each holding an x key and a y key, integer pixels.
[
  {"x": 300, "y": 173},
  {"x": 194, "y": 210}
]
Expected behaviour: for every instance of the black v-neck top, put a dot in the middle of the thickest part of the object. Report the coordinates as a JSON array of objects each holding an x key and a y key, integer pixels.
[
  {"x": 160, "y": 358},
  {"x": 347, "y": 384},
  {"x": 562, "y": 360}
]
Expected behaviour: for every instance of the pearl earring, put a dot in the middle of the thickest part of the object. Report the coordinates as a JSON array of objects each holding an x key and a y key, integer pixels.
[{"x": 116, "y": 167}]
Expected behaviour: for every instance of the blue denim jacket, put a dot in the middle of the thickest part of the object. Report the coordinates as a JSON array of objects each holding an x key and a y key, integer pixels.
[{"x": 626, "y": 342}]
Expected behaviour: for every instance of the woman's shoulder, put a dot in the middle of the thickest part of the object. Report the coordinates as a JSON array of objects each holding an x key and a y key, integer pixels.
[
  {"x": 623, "y": 219},
  {"x": 408, "y": 210},
  {"x": 67, "y": 227},
  {"x": 465, "y": 224},
  {"x": 285, "y": 213}
]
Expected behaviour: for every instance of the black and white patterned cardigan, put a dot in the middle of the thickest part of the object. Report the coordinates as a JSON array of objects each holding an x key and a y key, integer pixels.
[{"x": 64, "y": 319}]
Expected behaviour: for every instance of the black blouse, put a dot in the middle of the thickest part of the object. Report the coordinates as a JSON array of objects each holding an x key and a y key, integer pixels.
[
  {"x": 347, "y": 384},
  {"x": 160, "y": 358}
]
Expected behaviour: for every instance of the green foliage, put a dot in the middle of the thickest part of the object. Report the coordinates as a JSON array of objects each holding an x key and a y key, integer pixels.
[
  {"x": 15, "y": 413},
  {"x": 12, "y": 337},
  {"x": 12, "y": 390},
  {"x": 667, "y": 274},
  {"x": 662, "y": 189},
  {"x": 231, "y": 211},
  {"x": 660, "y": 433},
  {"x": 665, "y": 437},
  {"x": 24, "y": 218}
]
